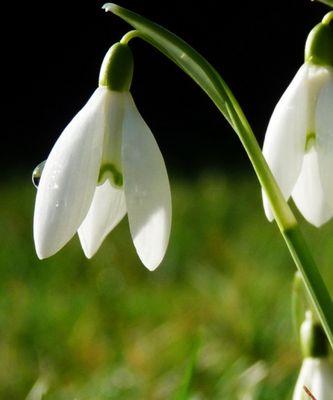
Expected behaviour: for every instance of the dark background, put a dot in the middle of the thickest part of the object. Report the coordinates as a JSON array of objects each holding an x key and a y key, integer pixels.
[{"x": 56, "y": 48}]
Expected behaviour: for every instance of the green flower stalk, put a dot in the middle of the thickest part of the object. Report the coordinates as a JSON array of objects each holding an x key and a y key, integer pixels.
[{"x": 205, "y": 75}]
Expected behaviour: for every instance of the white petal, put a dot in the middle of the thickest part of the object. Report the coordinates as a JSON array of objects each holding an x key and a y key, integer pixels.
[
  {"x": 147, "y": 190},
  {"x": 285, "y": 137},
  {"x": 304, "y": 378},
  {"x": 323, "y": 386},
  {"x": 107, "y": 210},
  {"x": 308, "y": 193},
  {"x": 317, "y": 375},
  {"x": 69, "y": 178},
  {"x": 324, "y": 131}
]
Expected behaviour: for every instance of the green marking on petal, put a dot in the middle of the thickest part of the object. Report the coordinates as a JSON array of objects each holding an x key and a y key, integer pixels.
[
  {"x": 310, "y": 141},
  {"x": 110, "y": 171}
]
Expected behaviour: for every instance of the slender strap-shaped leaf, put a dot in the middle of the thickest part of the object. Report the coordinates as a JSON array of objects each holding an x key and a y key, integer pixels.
[
  {"x": 203, "y": 73},
  {"x": 327, "y": 2}
]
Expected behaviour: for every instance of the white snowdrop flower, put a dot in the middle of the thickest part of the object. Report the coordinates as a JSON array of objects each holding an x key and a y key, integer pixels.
[
  {"x": 316, "y": 375},
  {"x": 298, "y": 144},
  {"x": 106, "y": 163}
]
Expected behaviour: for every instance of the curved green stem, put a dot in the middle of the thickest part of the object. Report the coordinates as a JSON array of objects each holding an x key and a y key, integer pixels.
[
  {"x": 129, "y": 36},
  {"x": 205, "y": 75}
]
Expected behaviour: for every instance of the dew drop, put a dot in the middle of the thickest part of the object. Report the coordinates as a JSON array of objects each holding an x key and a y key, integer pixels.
[{"x": 37, "y": 173}]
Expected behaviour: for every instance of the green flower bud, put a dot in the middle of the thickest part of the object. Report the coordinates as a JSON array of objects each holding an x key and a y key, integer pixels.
[
  {"x": 117, "y": 68},
  {"x": 313, "y": 339},
  {"x": 319, "y": 44}
]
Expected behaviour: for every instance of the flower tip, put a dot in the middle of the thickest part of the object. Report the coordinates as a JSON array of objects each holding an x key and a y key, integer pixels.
[
  {"x": 149, "y": 260},
  {"x": 152, "y": 266},
  {"x": 109, "y": 7},
  {"x": 88, "y": 251},
  {"x": 44, "y": 248},
  {"x": 40, "y": 254}
]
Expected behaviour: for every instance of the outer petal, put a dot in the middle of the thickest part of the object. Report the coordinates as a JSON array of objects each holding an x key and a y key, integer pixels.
[
  {"x": 304, "y": 378},
  {"x": 107, "y": 210},
  {"x": 147, "y": 190},
  {"x": 309, "y": 195},
  {"x": 69, "y": 178},
  {"x": 323, "y": 384},
  {"x": 285, "y": 136},
  {"x": 317, "y": 375},
  {"x": 324, "y": 131}
]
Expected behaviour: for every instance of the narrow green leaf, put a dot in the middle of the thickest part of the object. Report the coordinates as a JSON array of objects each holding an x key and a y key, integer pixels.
[{"x": 327, "y": 2}]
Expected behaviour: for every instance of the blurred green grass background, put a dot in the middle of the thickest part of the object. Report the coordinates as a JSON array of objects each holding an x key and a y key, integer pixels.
[{"x": 107, "y": 328}]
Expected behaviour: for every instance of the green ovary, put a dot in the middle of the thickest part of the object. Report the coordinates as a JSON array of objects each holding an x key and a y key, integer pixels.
[{"x": 110, "y": 171}]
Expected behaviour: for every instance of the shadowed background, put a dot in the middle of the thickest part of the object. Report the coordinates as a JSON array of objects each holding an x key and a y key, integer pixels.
[{"x": 217, "y": 311}]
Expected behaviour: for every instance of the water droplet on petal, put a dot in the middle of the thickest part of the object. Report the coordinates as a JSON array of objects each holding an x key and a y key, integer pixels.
[{"x": 37, "y": 173}]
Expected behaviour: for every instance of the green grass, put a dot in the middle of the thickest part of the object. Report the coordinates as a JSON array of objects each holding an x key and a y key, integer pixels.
[{"x": 107, "y": 328}]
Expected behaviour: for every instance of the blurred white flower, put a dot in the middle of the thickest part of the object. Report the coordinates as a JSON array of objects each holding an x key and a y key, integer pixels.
[
  {"x": 250, "y": 379},
  {"x": 317, "y": 376},
  {"x": 298, "y": 145},
  {"x": 40, "y": 388},
  {"x": 106, "y": 163},
  {"x": 315, "y": 380}
]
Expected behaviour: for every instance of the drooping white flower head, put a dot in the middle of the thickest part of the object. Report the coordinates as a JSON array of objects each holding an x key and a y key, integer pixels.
[
  {"x": 106, "y": 163},
  {"x": 298, "y": 145},
  {"x": 316, "y": 375}
]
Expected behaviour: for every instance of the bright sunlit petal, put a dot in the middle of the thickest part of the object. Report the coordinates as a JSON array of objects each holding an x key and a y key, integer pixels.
[
  {"x": 107, "y": 210},
  {"x": 324, "y": 131},
  {"x": 69, "y": 178},
  {"x": 308, "y": 193},
  {"x": 147, "y": 189},
  {"x": 285, "y": 137}
]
